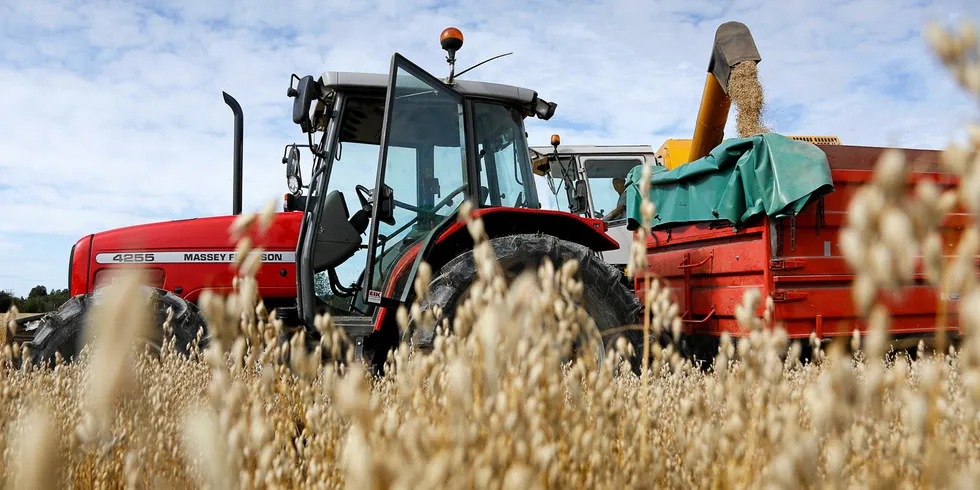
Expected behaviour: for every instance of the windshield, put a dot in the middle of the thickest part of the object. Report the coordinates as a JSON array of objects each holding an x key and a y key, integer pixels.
[
  {"x": 430, "y": 180},
  {"x": 607, "y": 184},
  {"x": 563, "y": 176},
  {"x": 505, "y": 160},
  {"x": 604, "y": 196}
]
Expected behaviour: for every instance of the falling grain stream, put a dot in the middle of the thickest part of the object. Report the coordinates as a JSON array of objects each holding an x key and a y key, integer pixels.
[{"x": 746, "y": 93}]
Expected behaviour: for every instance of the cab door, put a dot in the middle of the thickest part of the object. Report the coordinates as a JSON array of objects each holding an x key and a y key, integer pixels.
[{"x": 422, "y": 166}]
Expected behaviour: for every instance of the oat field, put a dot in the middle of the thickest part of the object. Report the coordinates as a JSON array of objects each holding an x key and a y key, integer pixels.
[{"x": 495, "y": 406}]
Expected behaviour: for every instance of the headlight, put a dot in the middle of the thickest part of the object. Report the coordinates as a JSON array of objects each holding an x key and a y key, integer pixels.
[{"x": 293, "y": 180}]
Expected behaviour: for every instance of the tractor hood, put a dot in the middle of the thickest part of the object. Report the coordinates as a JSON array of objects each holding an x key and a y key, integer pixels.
[
  {"x": 194, "y": 233},
  {"x": 184, "y": 255}
]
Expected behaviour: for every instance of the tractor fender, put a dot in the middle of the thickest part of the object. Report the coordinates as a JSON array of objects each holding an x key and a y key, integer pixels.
[
  {"x": 500, "y": 222},
  {"x": 587, "y": 232}
]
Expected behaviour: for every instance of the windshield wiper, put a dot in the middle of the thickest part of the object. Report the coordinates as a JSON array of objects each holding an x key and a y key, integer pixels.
[{"x": 425, "y": 92}]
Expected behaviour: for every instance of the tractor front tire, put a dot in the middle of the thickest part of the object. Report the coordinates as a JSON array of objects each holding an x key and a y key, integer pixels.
[
  {"x": 62, "y": 331},
  {"x": 605, "y": 298}
]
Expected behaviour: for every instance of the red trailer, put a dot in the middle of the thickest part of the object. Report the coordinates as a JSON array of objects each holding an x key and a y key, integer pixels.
[{"x": 796, "y": 260}]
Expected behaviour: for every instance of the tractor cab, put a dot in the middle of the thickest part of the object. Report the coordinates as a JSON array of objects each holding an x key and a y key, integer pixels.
[{"x": 396, "y": 156}]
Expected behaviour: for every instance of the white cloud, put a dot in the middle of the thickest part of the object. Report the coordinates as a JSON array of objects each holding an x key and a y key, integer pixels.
[{"x": 111, "y": 112}]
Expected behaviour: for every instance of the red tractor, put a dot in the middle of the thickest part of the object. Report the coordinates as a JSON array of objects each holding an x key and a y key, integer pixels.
[{"x": 432, "y": 144}]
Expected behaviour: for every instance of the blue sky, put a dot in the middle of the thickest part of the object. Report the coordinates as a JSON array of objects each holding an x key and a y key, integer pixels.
[{"x": 111, "y": 111}]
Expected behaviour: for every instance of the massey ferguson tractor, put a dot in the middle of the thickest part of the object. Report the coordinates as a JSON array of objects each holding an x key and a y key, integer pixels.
[{"x": 393, "y": 158}]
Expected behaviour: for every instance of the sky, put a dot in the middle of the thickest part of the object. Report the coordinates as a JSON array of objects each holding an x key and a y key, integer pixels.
[{"x": 111, "y": 111}]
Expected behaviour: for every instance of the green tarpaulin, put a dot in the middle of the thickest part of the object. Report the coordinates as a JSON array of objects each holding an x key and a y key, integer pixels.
[{"x": 740, "y": 179}]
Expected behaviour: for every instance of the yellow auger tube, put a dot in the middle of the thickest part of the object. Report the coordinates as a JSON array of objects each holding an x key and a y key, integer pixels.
[
  {"x": 733, "y": 45},
  {"x": 712, "y": 117}
]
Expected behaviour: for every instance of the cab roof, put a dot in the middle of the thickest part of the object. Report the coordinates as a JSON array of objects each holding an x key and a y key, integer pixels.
[
  {"x": 604, "y": 161},
  {"x": 343, "y": 80}
]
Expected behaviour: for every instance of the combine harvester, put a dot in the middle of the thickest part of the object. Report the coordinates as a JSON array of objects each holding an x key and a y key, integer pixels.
[
  {"x": 764, "y": 212},
  {"x": 582, "y": 180}
]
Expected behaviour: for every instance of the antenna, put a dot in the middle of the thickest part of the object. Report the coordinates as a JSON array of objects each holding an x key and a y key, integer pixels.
[
  {"x": 482, "y": 62},
  {"x": 451, "y": 40}
]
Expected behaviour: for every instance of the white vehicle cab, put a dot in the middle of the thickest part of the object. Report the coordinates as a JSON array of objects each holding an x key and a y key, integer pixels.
[{"x": 589, "y": 180}]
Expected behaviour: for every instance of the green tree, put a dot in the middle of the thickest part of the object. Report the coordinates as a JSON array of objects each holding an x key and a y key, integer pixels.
[
  {"x": 7, "y": 299},
  {"x": 38, "y": 291},
  {"x": 55, "y": 299},
  {"x": 38, "y": 300}
]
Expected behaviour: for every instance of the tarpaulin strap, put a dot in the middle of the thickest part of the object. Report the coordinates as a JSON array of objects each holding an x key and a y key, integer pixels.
[
  {"x": 779, "y": 237},
  {"x": 792, "y": 232},
  {"x": 820, "y": 215}
]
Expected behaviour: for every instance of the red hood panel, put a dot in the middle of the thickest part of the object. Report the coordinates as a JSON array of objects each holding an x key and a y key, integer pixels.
[
  {"x": 196, "y": 253},
  {"x": 198, "y": 233}
]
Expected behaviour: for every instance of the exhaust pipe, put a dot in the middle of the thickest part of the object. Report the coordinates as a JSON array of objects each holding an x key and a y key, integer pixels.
[
  {"x": 236, "y": 193},
  {"x": 733, "y": 45}
]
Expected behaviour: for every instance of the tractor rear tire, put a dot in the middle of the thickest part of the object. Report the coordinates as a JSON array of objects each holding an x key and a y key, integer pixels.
[
  {"x": 62, "y": 331},
  {"x": 610, "y": 303}
]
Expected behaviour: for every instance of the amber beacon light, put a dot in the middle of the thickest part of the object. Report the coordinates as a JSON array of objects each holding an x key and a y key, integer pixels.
[{"x": 451, "y": 39}]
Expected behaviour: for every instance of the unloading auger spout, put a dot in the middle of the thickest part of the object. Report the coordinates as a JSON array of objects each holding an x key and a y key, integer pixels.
[{"x": 733, "y": 45}]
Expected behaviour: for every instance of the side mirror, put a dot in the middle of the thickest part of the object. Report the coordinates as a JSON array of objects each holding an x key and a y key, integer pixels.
[
  {"x": 294, "y": 181},
  {"x": 577, "y": 196},
  {"x": 305, "y": 92},
  {"x": 386, "y": 205}
]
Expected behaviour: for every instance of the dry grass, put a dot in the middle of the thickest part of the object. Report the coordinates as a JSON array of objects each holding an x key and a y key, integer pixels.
[{"x": 494, "y": 407}]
